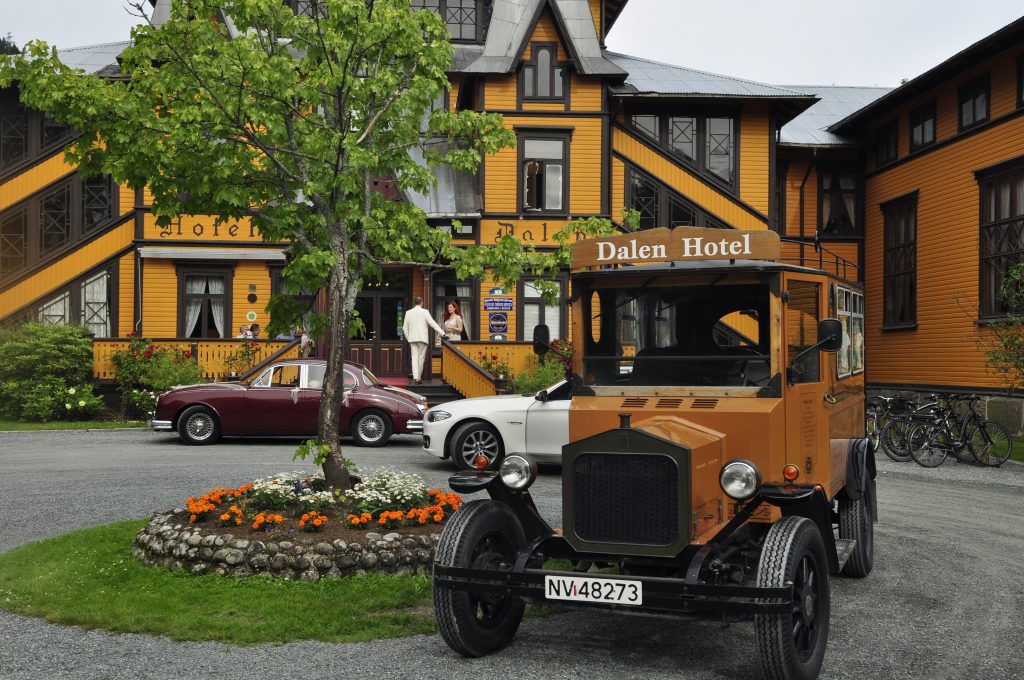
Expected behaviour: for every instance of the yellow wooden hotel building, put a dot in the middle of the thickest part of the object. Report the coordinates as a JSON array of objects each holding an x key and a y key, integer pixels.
[{"x": 917, "y": 191}]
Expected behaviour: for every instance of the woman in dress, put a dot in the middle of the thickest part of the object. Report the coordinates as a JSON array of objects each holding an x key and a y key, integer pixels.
[{"x": 453, "y": 325}]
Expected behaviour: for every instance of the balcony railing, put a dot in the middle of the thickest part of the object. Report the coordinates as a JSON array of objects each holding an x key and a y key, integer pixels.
[{"x": 209, "y": 354}]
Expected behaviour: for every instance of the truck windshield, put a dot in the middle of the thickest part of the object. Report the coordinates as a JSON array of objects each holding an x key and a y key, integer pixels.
[{"x": 689, "y": 336}]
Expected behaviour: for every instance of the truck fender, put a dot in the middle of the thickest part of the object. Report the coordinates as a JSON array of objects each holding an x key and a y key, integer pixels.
[
  {"x": 809, "y": 502},
  {"x": 521, "y": 503},
  {"x": 860, "y": 475}
]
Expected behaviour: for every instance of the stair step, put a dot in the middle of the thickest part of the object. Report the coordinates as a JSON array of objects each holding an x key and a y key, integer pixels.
[{"x": 844, "y": 549}]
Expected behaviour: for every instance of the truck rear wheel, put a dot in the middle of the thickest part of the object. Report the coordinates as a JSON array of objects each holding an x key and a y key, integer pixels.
[
  {"x": 483, "y": 534},
  {"x": 792, "y": 643},
  {"x": 856, "y": 522}
]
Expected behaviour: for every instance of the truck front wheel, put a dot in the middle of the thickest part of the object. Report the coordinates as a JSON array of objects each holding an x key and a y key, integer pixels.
[
  {"x": 792, "y": 643},
  {"x": 483, "y": 534}
]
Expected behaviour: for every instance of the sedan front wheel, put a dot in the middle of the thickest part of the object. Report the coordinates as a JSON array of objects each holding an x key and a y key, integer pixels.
[{"x": 477, "y": 446}]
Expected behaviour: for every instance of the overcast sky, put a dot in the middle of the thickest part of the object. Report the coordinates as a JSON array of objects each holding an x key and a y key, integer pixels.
[{"x": 796, "y": 42}]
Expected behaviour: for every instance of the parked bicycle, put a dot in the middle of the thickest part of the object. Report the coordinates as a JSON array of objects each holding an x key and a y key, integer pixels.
[
  {"x": 966, "y": 436},
  {"x": 897, "y": 418}
]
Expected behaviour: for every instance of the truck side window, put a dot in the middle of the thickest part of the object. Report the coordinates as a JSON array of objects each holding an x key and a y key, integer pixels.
[{"x": 802, "y": 315}]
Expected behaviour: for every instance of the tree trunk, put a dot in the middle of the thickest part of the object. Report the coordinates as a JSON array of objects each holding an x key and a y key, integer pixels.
[{"x": 341, "y": 297}]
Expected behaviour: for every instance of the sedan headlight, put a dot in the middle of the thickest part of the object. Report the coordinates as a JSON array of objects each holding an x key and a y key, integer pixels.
[
  {"x": 740, "y": 479},
  {"x": 434, "y": 416},
  {"x": 518, "y": 472}
]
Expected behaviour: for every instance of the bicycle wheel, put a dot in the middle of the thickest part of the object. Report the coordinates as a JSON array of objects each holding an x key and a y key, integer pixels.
[
  {"x": 893, "y": 439},
  {"x": 927, "y": 445},
  {"x": 990, "y": 443}
]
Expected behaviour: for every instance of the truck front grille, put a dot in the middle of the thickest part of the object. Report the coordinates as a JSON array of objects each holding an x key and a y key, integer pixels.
[{"x": 626, "y": 498}]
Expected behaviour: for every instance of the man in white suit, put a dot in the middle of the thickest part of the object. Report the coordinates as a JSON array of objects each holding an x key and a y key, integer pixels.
[{"x": 416, "y": 328}]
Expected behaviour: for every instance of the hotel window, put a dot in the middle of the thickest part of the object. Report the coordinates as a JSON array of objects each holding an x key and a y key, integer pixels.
[
  {"x": 460, "y": 16},
  {"x": 544, "y": 180},
  {"x": 900, "y": 262},
  {"x": 97, "y": 201},
  {"x": 1002, "y": 233},
  {"x": 86, "y": 302},
  {"x": 13, "y": 129},
  {"x": 849, "y": 307},
  {"x": 543, "y": 77},
  {"x": 95, "y": 304},
  {"x": 887, "y": 143},
  {"x": 13, "y": 241},
  {"x": 56, "y": 218},
  {"x": 922, "y": 126},
  {"x": 659, "y": 206},
  {"x": 204, "y": 310},
  {"x": 973, "y": 103},
  {"x": 533, "y": 311},
  {"x": 837, "y": 200},
  {"x": 706, "y": 142}
]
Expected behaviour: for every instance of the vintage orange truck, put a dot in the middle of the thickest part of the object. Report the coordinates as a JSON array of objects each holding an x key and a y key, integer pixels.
[{"x": 717, "y": 462}]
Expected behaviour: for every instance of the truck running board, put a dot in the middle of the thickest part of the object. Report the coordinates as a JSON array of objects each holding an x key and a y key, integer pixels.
[{"x": 844, "y": 548}]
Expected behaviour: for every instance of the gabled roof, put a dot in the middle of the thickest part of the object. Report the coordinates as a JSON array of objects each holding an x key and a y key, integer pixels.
[
  {"x": 93, "y": 59},
  {"x": 512, "y": 23},
  {"x": 989, "y": 46},
  {"x": 836, "y": 103},
  {"x": 655, "y": 78}
]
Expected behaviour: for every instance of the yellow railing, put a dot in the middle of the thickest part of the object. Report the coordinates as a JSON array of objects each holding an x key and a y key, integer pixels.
[
  {"x": 210, "y": 354},
  {"x": 460, "y": 364}
]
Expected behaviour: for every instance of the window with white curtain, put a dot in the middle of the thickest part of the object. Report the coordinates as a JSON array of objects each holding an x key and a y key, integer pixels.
[
  {"x": 536, "y": 311},
  {"x": 205, "y": 306},
  {"x": 56, "y": 310},
  {"x": 95, "y": 307},
  {"x": 838, "y": 201}
]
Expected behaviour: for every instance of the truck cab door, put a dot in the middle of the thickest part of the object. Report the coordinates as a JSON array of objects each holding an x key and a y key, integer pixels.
[{"x": 808, "y": 401}]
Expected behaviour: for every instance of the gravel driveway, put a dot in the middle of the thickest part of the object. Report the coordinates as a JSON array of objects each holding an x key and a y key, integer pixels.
[{"x": 945, "y": 599}]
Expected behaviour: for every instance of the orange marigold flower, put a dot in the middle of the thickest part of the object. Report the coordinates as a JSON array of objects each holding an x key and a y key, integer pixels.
[
  {"x": 192, "y": 518},
  {"x": 438, "y": 518},
  {"x": 423, "y": 519}
]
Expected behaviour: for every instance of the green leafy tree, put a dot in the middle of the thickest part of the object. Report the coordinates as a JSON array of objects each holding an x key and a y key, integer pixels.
[
  {"x": 1004, "y": 341},
  {"x": 8, "y": 46},
  {"x": 245, "y": 109}
]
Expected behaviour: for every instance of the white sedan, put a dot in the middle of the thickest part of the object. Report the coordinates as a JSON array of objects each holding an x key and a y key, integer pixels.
[{"x": 477, "y": 433}]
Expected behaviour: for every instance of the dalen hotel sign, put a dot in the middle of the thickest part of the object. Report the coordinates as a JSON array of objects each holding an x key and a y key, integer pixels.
[{"x": 675, "y": 245}]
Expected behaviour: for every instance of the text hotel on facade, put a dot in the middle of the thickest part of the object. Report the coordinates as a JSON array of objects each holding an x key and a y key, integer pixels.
[{"x": 917, "y": 191}]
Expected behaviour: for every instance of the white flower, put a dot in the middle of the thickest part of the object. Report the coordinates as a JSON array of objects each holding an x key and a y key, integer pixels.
[
  {"x": 81, "y": 402},
  {"x": 67, "y": 406},
  {"x": 71, "y": 390}
]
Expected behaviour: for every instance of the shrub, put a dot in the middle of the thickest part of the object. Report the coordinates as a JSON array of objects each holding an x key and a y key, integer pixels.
[
  {"x": 539, "y": 374},
  {"x": 144, "y": 370},
  {"x": 45, "y": 372}
]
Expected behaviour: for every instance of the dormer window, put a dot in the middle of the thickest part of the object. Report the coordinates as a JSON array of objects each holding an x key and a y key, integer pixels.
[
  {"x": 462, "y": 17},
  {"x": 543, "y": 77}
]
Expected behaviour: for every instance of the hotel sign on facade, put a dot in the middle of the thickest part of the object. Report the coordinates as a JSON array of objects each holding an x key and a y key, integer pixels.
[{"x": 680, "y": 244}]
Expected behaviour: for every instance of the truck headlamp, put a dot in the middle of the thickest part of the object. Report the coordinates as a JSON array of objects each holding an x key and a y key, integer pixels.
[
  {"x": 518, "y": 472},
  {"x": 740, "y": 479}
]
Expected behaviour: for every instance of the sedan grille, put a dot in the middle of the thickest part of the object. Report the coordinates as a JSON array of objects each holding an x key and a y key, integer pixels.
[{"x": 626, "y": 498}]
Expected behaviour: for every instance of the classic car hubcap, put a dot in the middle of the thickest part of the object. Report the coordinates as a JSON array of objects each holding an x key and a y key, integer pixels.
[
  {"x": 371, "y": 428},
  {"x": 200, "y": 426},
  {"x": 480, "y": 443}
]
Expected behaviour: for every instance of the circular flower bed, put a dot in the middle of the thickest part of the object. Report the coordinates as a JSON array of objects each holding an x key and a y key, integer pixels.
[{"x": 292, "y": 526}]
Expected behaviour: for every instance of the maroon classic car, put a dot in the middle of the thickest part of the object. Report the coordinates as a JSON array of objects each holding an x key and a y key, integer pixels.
[{"x": 284, "y": 400}]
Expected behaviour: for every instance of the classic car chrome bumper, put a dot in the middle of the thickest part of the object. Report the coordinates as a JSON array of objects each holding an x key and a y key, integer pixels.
[
  {"x": 414, "y": 426},
  {"x": 165, "y": 425}
]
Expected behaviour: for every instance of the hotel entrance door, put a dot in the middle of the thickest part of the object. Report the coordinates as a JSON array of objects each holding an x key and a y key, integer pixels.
[{"x": 381, "y": 308}]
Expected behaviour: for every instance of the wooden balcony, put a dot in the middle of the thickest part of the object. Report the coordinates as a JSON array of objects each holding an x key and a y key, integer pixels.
[
  {"x": 461, "y": 369},
  {"x": 210, "y": 354}
]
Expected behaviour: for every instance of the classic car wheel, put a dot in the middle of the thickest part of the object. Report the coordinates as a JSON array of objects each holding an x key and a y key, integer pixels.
[
  {"x": 856, "y": 522},
  {"x": 371, "y": 428},
  {"x": 473, "y": 440},
  {"x": 792, "y": 643},
  {"x": 198, "y": 425},
  {"x": 483, "y": 534}
]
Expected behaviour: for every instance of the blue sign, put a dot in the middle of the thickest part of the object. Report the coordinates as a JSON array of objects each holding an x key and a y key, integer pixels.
[
  {"x": 497, "y": 304},
  {"x": 497, "y": 322},
  {"x": 497, "y": 291}
]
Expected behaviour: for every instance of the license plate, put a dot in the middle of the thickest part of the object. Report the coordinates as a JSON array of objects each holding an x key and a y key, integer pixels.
[{"x": 596, "y": 590}]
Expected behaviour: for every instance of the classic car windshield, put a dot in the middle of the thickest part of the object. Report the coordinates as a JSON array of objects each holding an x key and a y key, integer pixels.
[
  {"x": 684, "y": 335},
  {"x": 369, "y": 378}
]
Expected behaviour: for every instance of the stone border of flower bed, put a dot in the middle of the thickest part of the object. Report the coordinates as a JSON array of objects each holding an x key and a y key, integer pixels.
[{"x": 168, "y": 541}]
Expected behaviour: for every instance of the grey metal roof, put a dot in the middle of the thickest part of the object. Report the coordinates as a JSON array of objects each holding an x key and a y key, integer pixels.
[
  {"x": 454, "y": 194},
  {"x": 836, "y": 103},
  {"x": 94, "y": 58},
  {"x": 513, "y": 20},
  {"x": 656, "y": 78}
]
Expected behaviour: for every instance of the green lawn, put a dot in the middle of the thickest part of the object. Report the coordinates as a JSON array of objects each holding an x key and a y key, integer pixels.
[
  {"x": 88, "y": 578},
  {"x": 18, "y": 426},
  {"x": 1018, "y": 449}
]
